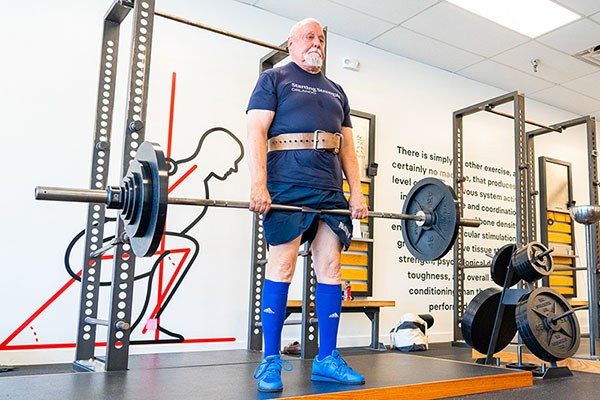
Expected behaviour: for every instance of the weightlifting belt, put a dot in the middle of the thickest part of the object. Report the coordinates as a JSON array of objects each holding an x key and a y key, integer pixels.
[{"x": 317, "y": 140}]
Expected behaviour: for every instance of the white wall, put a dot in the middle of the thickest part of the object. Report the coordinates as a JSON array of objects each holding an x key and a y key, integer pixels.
[{"x": 48, "y": 89}]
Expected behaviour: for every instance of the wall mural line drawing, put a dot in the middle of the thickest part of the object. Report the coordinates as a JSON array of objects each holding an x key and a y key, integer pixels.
[{"x": 181, "y": 258}]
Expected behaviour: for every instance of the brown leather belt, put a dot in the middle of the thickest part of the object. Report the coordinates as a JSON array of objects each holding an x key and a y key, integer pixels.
[{"x": 317, "y": 140}]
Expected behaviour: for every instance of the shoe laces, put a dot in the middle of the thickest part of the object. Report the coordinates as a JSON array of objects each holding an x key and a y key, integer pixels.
[
  {"x": 272, "y": 366},
  {"x": 341, "y": 365}
]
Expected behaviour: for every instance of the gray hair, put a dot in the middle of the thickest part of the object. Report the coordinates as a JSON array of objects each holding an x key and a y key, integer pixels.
[{"x": 299, "y": 24}]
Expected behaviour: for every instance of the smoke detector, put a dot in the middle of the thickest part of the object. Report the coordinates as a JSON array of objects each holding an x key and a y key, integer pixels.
[
  {"x": 351, "y": 63},
  {"x": 590, "y": 56}
]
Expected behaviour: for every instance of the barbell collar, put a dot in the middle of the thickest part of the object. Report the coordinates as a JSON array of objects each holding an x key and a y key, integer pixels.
[{"x": 114, "y": 197}]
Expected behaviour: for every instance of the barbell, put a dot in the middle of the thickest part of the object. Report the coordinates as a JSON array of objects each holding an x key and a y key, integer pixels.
[{"x": 430, "y": 215}]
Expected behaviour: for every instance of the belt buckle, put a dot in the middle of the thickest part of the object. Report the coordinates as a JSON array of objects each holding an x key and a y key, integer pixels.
[
  {"x": 316, "y": 139},
  {"x": 337, "y": 149}
]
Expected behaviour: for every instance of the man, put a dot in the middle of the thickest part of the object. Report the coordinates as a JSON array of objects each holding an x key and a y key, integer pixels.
[{"x": 299, "y": 140}]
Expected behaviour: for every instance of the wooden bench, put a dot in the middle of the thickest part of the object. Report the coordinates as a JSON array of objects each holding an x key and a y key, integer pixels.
[{"x": 370, "y": 308}]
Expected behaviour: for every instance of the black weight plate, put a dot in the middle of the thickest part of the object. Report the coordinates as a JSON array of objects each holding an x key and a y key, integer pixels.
[
  {"x": 127, "y": 198},
  {"x": 145, "y": 183},
  {"x": 434, "y": 197},
  {"x": 528, "y": 266},
  {"x": 146, "y": 232},
  {"x": 500, "y": 263},
  {"x": 138, "y": 194},
  {"x": 131, "y": 185},
  {"x": 549, "y": 341},
  {"x": 478, "y": 321},
  {"x": 140, "y": 209}
]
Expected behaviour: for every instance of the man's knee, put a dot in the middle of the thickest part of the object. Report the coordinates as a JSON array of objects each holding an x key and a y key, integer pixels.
[
  {"x": 282, "y": 261},
  {"x": 281, "y": 267},
  {"x": 328, "y": 269}
]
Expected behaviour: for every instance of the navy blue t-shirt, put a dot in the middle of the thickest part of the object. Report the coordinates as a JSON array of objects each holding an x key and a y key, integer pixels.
[{"x": 303, "y": 102}]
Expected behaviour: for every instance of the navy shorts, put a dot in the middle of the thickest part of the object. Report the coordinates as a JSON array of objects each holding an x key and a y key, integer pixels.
[{"x": 284, "y": 226}]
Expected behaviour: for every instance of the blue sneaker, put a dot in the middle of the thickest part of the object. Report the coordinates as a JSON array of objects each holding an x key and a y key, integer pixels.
[
  {"x": 268, "y": 373},
  {"x": 333, "y": 368}
]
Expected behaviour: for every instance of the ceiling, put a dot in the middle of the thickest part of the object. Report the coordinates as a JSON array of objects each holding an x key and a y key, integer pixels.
[{"x": 471, "y": 46}]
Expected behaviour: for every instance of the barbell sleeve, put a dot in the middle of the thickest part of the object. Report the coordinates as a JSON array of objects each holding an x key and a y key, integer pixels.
[
  {"x": 71, "y": 195},
  {"x": 101, "y": 196},
  {"x": 469, "y": 223}
]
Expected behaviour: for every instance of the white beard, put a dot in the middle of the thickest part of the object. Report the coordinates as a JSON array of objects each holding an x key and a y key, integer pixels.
[{"x": 314, "y": 59}]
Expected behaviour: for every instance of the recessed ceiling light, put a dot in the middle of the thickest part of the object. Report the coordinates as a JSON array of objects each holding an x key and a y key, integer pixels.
[{"x": 529, "y": 17}]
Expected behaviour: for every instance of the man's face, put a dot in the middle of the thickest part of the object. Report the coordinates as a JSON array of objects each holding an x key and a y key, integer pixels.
[{"x": 307, "y": 47}]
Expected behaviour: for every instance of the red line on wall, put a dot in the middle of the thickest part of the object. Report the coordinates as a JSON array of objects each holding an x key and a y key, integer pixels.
[
  {"x": 161, "y": 295},
  {"x": 39, "y": 311},
  {"x": 183, "y": 177},
  {"x": 160, "y": 300},
  {"x": 4, "y": 344},
  {"x": 45, "y": 346},
  {"x": 169, "y": 148},
  {"x": 103, "y": 344},
  {"x": 171, "y": 113},
  {"x": 181, "y": 263}
]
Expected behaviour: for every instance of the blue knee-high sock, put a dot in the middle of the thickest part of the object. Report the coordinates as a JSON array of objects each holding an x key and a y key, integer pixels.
[
  {"x": 329, "y": 307},
  {"x": 274, "y": 301}
]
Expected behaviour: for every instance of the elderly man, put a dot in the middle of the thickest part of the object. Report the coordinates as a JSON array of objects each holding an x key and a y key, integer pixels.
[{"x": 299, "y": 140}]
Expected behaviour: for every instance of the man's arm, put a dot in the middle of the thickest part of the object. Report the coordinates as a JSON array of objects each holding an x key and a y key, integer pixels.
[
  {"x": 358, "y": 205},
  {"x": 258, "y": 125}
]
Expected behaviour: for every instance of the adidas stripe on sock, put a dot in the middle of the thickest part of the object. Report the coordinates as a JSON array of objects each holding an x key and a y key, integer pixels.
[
  {"x": 274, "y": 300},
  {"x": 329, "y": 307}
]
